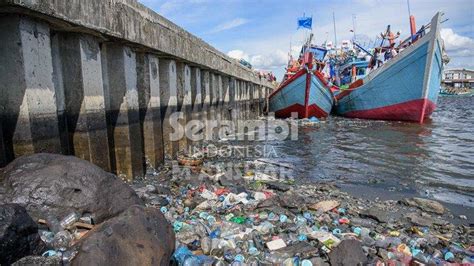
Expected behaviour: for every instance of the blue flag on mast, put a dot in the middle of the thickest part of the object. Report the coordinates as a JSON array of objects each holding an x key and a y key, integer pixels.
[{"x": 305, "y": 22}]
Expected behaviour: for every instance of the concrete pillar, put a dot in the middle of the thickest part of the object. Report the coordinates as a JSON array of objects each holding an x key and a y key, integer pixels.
[
  {"x": 150, "y": 112},
  {"x": 60, "y": 97},
  {"x": 169, "y": 104},
  {"x": 29, "y": 121},
  {"x": 197, "y": 99},
  {"x": 184, "y": 102},
  {"x": 257, "y": 99},
  {"x": 206, "y": 94},
  {"x": 232, "y": 105},
  {"x": 214, "y": 96},
  {"x": 219, "y": 98},
  {"x": 80, "y": 60},
  {"x": 226, "y": 98},
  {"x": 251, "y": 100},
  {"x": 246, "y": 100},
  {"x": 267, "y": 94},
  {"x": 125, "y": 140},
  {"x": 240, "y": 98}
]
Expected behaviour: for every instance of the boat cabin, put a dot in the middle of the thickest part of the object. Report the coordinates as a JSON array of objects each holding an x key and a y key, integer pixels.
[{"x": 353, "y": 70}]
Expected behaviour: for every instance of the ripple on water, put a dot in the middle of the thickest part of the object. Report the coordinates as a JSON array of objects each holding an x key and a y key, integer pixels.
[{"x": 439, "y": 153}]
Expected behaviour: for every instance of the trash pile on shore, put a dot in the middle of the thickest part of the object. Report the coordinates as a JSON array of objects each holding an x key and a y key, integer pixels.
[{"x": 259, "y": 221}]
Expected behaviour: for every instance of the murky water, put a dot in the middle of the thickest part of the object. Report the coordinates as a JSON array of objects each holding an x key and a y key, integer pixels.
[{"x": 392, "y": 159}]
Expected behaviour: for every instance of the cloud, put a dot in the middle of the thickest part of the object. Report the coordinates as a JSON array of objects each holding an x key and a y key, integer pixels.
[
  {"x": 457, "y": 45},
  {"x": 229, "y": 25},
  {"x": 238, "y": 54},
  {"x": 275, "y": 60}
]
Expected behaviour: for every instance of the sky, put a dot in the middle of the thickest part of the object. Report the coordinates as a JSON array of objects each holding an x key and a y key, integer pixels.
[{"x": 263, "y": 32}]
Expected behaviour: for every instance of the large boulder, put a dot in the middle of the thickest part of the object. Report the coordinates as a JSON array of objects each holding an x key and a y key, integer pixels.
[
  {"x": 18, "y": 234},
  {"x": 138, "y": 236},
  {"x": 39, "y": 260},
  {"x": 348, "y": 252},
  {"x": 55, "y": 185},
  {"x": 425, "y": 205}
]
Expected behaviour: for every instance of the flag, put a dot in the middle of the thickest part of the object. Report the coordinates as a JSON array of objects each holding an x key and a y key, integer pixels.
[{"x": 305, "y": 22}]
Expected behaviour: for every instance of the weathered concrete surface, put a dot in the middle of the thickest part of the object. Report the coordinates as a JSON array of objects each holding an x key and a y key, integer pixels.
[
  {"x": 197, "y": 100},
  {"x": 131, "y": 21},
  {"x": 169, "y": 104},
  {"x": 123, "y": 111},
  {"x": 101, "y": 79},
  {"x": 150, "y": 108},
  {"x": 81, "y": 68},
  {"x": 29, "y": 119}
]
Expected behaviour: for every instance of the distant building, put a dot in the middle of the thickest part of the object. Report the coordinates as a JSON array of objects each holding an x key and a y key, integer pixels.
[{"x": 458, "y": 78}]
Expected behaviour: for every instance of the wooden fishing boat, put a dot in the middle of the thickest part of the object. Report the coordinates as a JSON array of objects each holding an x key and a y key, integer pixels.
[
  {"x": 405, "y": 88},
  {"x": 306, "y": 91}
]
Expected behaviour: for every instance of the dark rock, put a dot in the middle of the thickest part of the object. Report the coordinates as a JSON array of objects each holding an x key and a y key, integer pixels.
[
  {"x": 278, "y": 186},
  {"x": 348, "y": 252},
  {"x": 18, "y": 234},
  {"x": 425, "y": 205},
  {"x": 375, "y": 213},
  {"x": 317, "y": 261},
  {"x": 38, "y": 260},
  {"x": 417, "y": 219},
  {"x": 138, "y": 236},
  {"x": 51, "y": 184}
]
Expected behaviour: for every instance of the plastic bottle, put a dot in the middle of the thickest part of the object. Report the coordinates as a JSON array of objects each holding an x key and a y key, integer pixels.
[
  {"x": 238, "y": 219},
  {"x": 273, "y": 258},
  {"x": 46, "y": 236},
  {"x": 449, "y": 256},
  {"x": 459, "y": 250},
  {"x": 69, "y": 220},
  {"x": 53, "y": 224},
  {"x": 62, "y": 240},
  {"x": 211, "y": 220}
]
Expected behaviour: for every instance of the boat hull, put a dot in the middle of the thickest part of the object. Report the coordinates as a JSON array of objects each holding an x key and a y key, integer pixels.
[
  {"x": 305, "y": 94},
  {"x": 406, "y": 88}
]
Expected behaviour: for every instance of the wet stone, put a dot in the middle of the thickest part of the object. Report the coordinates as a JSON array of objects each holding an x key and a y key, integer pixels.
[{"x": 348, "y": 252}]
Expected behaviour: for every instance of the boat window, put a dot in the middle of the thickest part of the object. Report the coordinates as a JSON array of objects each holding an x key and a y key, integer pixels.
[{"x": 360, "y": 71}]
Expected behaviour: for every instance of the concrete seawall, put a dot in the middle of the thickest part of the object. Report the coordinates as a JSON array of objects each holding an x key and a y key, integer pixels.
[{"x": 100, "y": 79}]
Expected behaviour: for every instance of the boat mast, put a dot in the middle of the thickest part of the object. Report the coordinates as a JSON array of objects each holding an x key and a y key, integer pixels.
[
  {"x": 412, "y": 22},
  {"x": 335, "y": 36},
  {"x": 353, "y": 25}
]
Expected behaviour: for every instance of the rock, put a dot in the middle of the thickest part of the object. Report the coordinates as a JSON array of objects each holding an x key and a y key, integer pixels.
[
  {"x": 348, "y": 252},
  {"x": 138, "y": 236},
  {"x": 317, "y": 261},
  {"x": 375, "y": 213},
  {"x": 304, "y": 249},
  {"x": 18, "y": 234},
  {"x": 417, "y": 219},
  {"x": 278, "y": 186},
  {"x": 56, "y": 185},
  {"x": 324, "y": 206},
  {"x": 425, "y": 205},
  {"x": 38, "y": 260}
]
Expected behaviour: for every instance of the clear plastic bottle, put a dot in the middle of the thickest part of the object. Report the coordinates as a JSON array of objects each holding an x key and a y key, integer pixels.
[
  {"x": 62, "y": 240},
  {"x": 69, "y": 220}
]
